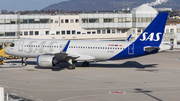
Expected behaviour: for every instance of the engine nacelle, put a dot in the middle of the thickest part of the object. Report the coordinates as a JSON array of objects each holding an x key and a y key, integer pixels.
[{"x": 47, "y": 61}]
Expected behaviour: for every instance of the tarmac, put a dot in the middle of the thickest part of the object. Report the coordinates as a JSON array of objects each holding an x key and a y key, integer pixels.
[{"x": 149, "y": 78}]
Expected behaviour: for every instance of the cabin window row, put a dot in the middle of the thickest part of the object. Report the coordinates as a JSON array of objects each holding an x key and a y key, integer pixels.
[
  {"x": 80, "y": 47},
  {"x": 86, "y": 47}
]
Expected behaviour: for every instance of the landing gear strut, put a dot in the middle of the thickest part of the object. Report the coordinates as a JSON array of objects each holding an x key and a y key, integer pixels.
[
  {"x": 24, "y": 63},
  {"x": 85, "y": 64},
  {"x": 71, "y": 66}
]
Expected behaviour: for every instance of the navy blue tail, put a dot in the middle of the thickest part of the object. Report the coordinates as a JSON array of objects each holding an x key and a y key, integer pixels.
[
  {"x": 148, "y": 42},
  {"x": 153, "y": 34}
]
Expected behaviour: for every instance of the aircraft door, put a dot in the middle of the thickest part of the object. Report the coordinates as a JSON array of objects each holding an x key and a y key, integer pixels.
[
  {"x": 131, "y": 49},
  {"x": 20, "y": 48}
]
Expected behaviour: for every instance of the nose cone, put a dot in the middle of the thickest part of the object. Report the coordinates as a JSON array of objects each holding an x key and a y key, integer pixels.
[{"x": 6, "y": 50}]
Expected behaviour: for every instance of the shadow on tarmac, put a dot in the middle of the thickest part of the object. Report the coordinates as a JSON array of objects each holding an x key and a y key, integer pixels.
[
  {"x": 61, "y": 66},
  {"x": 128, "y": 64},
  {"x": 19, "y": 62},
  {"x": 146, "y": 92},
  {"x": 52, "y": 68}
]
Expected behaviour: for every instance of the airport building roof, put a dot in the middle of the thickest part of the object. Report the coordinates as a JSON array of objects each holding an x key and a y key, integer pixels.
[{"x": 144, "y": 9}]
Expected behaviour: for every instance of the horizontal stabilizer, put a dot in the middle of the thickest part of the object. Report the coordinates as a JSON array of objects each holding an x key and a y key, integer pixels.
[{"x": 151, "y": 49}]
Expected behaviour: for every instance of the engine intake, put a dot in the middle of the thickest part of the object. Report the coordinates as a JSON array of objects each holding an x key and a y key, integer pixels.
[{"x": 47, "y": 61}]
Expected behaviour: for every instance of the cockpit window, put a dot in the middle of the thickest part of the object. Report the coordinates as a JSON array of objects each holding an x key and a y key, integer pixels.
[{"x": 12, "y": 45}]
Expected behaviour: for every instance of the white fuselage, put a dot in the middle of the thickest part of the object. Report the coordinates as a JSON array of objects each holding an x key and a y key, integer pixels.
[{"x": 99, "y": 50}]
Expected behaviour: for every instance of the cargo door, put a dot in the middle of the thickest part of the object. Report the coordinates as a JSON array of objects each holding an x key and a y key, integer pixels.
[{"x": 131, "y": 49}]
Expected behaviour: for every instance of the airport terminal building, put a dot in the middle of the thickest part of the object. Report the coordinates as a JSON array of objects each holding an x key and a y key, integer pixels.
[{"x": 98, "y": 26}]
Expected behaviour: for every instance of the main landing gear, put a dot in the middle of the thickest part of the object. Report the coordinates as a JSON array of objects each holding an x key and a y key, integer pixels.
[
  {"x": 85, "y": 64},
  {"x": 24, "y": 63},
  {"x": 71, "y": 66}
]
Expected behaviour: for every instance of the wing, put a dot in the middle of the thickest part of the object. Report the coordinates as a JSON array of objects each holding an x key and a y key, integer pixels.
[{"x": 63, "y": 55}]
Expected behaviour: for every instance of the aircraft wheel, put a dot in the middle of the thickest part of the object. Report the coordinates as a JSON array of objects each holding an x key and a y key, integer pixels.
[
  {"x": 24, "y": 64},
  {"x": 85, "y": 64},
  {"x": 71, "y": 67}
]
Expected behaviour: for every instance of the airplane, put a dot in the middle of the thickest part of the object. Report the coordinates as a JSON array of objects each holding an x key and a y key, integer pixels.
[{"x": 50, "y": 52}]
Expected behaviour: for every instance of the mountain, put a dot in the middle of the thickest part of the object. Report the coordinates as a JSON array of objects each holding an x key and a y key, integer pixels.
[{"x": 104, "y": 5}]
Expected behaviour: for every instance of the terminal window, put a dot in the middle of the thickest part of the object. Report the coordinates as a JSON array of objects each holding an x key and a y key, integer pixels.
[
  {"x": 47, "y": 32},
  {"x": 68, "y": 32},
  {"x": 56, "y": 21},
  {"x": 31, "y": 20},
  {"x": 36, "y": 32},
  {"x": 63, "y": 32},
  {"x": 103, "y": 31},
  {"x": 73, "y": 32},
  {"x": 57, "y": 32},
  {"x": 51, "y": 20},
  {"x": 9, "y": 33},
  {"x": 93, "y": 32},
  {"x": 98, "y": 31},
  {"x": 72, "y": 20},
  {"x": 113, "y": 31},
  {"x": 108, "y": 31},
  {"x": 30, "y": 32},
  {"x": 77, "y": 20},
  {"x": 67, "y": 21},
  {"x": 78, "y": 32},
  {"x": 84, "y": 20},
  {"x": 25, "y": 33},
  {"x": 62, "y": 21}
]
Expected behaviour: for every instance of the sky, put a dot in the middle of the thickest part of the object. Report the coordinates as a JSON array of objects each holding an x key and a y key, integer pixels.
[{"x": 22, "y": 5}]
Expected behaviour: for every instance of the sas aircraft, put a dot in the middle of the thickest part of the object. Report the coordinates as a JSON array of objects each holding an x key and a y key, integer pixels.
[{"x": 50, "y": 52}]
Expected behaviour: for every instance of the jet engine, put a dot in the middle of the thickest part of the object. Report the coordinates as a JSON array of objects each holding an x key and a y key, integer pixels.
[{"x": 47, "y": 61}]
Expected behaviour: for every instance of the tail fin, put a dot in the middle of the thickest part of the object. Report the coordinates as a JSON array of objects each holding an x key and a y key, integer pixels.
[{"x": 153, "y": 34}]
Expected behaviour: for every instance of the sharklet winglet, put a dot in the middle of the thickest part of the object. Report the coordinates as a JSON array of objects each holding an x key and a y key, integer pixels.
[{"x": 66, "y": 47}]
